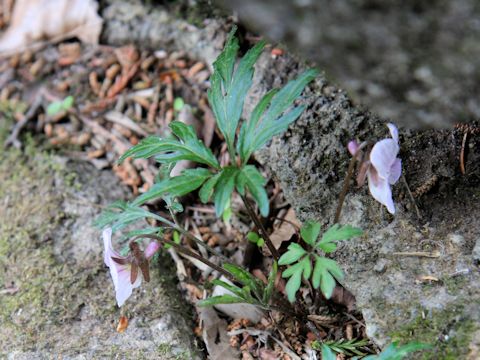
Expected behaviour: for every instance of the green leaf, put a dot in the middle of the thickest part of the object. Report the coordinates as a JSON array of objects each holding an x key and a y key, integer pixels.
[
  {"x": 186, "y": 147},
  {"x": 245, "y": 278},
  {"x": 227, "y": 213},
  {"x": 267, "y": 294},
  {"x": 324, "y": 274},
  {"x": 327, "y": 354},
  {"x": 307, "y": 267},
  {"x": 295, "y": 252},
  {"x": 229, "y": 87},
  {"x": 293, "y": 284},
  {"x": 54, "y": 108},
  {"x": 232, "y": 288},
  {"x": 337, "y": 233},
  {"x": 186, "y": 182},
  {"x": 178, "y": 104},
  {"x": 255, "y": 238},
  {"x": 394, "y": 352},
  {"x": 224, "y": 188},
  {"x": 120, "y": 214},
  {"x": 251, "y": 178},
  {"x": 207, "y": 189},
  {"x": 67, "y": 103},
  {"x": 310, "y": 231},
  {"x": 217, "y": 300},
  {"x": 275, "y": 120}
]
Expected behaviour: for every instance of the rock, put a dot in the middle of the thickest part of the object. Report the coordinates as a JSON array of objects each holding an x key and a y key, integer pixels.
[
  {"x": 57, "y": 296},
  {"x": 416, "y": 63},
  {"x": 476, "y": 251}
]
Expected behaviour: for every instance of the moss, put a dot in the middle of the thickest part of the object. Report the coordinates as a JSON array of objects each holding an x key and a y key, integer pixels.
[{"x": 449, "y": 331}]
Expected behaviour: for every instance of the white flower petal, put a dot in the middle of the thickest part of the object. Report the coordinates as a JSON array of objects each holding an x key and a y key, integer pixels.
[
  {"x": 380, "y": 190},
  {"x": 395, "y": 171},
  {"x": 383, "y": 156},
  {"x": 393, "y": 131}
]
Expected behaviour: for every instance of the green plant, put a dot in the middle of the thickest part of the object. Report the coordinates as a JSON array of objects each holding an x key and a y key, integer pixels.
[
  {"x": 325, "y": 270},
  {"x": 397, "y": 352},
  {"x": 58, "y": 106},
  {"x": 347, "y": 347}
]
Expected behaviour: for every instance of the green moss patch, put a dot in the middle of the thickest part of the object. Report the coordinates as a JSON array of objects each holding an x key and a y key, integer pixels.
[{"x": 449, "y": 331}]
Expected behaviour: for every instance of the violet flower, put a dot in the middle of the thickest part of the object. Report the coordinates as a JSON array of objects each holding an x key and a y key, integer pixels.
[
  {"x": 382, "y": 169},
  {"x": 124, "y": 269}
]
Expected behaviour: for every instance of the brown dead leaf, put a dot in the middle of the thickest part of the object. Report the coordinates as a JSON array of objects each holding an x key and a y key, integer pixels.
[
  {"x": 343, "y": 297},
  {"x": 122, "y": 324},
  {"x": 33, "y": 21},
  {"x": 284, "y": 230},
  {"x": 214, "y": 334}
]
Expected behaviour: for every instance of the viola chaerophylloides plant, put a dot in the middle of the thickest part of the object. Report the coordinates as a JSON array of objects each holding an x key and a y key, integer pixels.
[
  {"x": 272, "y": 115},
  {"x": 306, "y": 262}
]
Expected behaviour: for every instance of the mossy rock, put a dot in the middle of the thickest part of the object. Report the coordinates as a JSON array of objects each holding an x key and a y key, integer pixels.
[{"x": 56, "y": 295}]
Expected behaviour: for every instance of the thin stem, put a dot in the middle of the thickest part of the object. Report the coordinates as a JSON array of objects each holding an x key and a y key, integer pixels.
[
  {"x": 346, "y": 183},
  {"x": 261, "y": 228},
  {"x": 192, "y": 237},
  {"x": 190, "y": 253}
]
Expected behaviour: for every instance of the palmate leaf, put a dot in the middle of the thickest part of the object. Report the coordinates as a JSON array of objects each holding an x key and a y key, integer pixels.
[
  {"x": 324, "y": 274},
  {"x": 270, "y": 117},
  {"x": 337, "y": 233},
  {"x": 249, "y": 177},
  {"x": 186, "y": 147},
  {"x": 295, "y": 272},
  {"x": 188, "y": 181},
  {"x": 310, "y": 231},
  {"x": 229, "y": 86}
]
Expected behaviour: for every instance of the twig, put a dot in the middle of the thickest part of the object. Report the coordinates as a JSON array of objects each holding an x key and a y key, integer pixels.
[
  {"x": 261, "y": 228},
  {"x": 13, "y": 138},
  {"x": 412, "y": 199},
  {"x": 434, "y": 254},
  {"x": 462, "y": 153}
]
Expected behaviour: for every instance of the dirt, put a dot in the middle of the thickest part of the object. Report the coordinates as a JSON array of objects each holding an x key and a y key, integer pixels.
[{"x": 57, "y": 296}]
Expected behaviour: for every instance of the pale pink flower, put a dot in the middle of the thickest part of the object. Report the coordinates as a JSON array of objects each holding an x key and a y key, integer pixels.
[
  {"x": 125, "y": 269},
  {"x": 382, "y": 169}
]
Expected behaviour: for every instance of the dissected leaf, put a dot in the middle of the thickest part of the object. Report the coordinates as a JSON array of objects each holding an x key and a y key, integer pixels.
[
  {"x": 275, "y": 119},
  {"x": 251, "y": 178},
  {"x": 119, "y": 214},
  {"x": 186, "y": 147},
  {"x": 295, "y": 252},
  {"x": 324, "y": 274},
  {"x": 337, "y": 233},
  {"x": 206, "y": 191},
  {"x": 310, "y": 231},
  {"x": 396, "y": 352},
  {"x": 293, "y": 284},
  {"x": 224, "y": 188},
  {"x": 191, "y": 179},
  {"x": 229, "y": 86}
]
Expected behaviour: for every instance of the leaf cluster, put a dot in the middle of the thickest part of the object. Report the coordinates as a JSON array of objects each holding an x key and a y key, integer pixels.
[
  {"x": 324, "y": 271},
  {"x": 251, "y": 290},
  {"x": 230, "y": 83}
]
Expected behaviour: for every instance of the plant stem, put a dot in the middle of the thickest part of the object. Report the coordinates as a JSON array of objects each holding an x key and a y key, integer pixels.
[
  {"x": 190, "y": 253},
  {"x": 192, "y": 237},
  {"x": 261, "y": 228},
  {"x": 346, "y": 183}
]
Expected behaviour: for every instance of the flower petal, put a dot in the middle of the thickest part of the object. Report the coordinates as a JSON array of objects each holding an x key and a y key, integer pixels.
[
  {"x": 393, "y": 131},
  {"x": 151, "y": 249},
  {"x": 383, "y": 155},
  {"x": 123, "y": 286},
  {"x": 107, "y": 244},
  {"x": 395, "y": 171},
  {"x": 380, "y": 190},
  {"x": 352, "y": 147}
]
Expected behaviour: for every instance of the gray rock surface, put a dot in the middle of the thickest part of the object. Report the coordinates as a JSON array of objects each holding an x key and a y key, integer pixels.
[
  {"x": 402, "y": 293},
  {"x": 413, "y": 62},
  {"x": 57, "y": 298}
]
